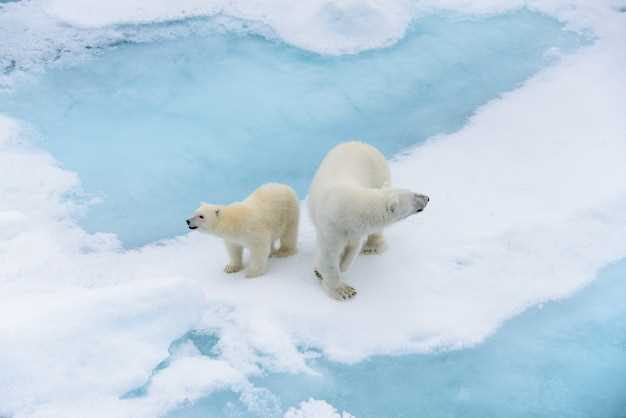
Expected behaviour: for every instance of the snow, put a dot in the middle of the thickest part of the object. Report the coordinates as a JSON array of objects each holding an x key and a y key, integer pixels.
[
  {"x": 323, "y": 26},
  {"x": 334, "y": 27},
  {"x": 527, "y": 204},
  {"x": 314, "y": 408}
]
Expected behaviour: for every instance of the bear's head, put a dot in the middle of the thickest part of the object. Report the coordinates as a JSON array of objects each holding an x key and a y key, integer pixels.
[
  {"x": 402, "y": 203},
  {"x": 205, "y": 217}
]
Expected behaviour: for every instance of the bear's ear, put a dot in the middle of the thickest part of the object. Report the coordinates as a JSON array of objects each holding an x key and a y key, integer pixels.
[
  {"x": 392, "y": 205},
  {"x": 218, "y": 212}
]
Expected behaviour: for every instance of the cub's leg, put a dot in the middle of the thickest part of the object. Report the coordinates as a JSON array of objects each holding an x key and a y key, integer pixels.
[
  {"x": 375, "y": 244},
  {"x": 349, "y": 253},
  {"x": 288, "y": 240},
  {"x": 328, "y": 268},
  {"x": 259, "y": 253},
  {"x": 235, "y": 254}
]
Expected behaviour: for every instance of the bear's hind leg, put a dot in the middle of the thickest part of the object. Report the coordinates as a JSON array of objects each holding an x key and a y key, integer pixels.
[
  {"x": 235, "y": 254},
  {"x": 259, "y": 253},
  {"x": 288, "y": 240},
  {"x": 375, "y": 244}
]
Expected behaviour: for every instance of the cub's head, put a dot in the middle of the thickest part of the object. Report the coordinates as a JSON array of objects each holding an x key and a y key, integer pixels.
[
  {"x": 402, "y": 203},
  {"x": 205, "y": 217}
]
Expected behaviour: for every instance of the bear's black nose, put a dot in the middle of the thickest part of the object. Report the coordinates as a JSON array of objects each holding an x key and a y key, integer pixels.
[{"x": 188, "y": 222}]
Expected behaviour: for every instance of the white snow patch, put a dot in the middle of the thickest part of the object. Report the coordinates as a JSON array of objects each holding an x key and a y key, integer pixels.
[
  {"x": 68, "y": 344},
  {"x": 190, "y": 378},
  {"x": 39, "y": 33},
  {"x": 324, "y": 26},
  {"x": 314, "y": 408}
]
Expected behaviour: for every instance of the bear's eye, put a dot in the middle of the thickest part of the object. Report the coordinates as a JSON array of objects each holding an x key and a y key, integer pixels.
[{"x": 201, "y": 216}]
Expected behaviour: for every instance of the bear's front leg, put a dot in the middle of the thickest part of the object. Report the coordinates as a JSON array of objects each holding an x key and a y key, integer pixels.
[
  {"x": 235, "y": 252},
  {"x": 259, "y": 254},
  {"x": 328, "y": 261},
  {"x": 349, "y": 253}
]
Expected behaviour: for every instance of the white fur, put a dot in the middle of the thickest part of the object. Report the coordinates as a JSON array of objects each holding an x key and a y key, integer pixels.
[
  {"x": 271, "y": 213},
  {"x": 350, "y": 202}
]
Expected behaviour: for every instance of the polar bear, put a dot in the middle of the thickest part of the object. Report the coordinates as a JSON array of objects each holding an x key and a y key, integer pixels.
[
  {"x": 271, "y": 213},
  {"x": 350, "y": 202}
]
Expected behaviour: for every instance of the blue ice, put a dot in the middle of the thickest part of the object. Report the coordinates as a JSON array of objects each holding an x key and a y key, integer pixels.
[
  {"x": 563, "y": 359},
  {"x": 155, "y": 128}
]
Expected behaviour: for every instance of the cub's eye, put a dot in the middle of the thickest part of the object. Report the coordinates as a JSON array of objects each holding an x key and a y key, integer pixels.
[{"x": 201, "y": 216}]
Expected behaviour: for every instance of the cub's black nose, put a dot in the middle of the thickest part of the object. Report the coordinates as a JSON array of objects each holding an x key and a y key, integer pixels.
[{"x": 188, "y": 222}]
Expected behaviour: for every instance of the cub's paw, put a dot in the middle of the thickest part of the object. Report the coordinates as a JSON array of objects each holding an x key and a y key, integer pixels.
[
  {"x": 251, "y": 274},
  {"x": 283, "y": 252},
  {"x": 232, "y": 268},
  {"x": 343, "y": 292}
]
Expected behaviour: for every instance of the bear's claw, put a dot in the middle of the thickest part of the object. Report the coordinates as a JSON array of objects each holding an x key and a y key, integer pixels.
[
  {"x": 231, "y": 268},
  {"x": 344, "y": 292}
]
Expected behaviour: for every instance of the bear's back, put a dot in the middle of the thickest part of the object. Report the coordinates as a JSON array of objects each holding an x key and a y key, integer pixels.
[
  {"x": 274, "y": 204},
  {"x": 351, "y": 164},
  {"x": 354, "y": 163}
]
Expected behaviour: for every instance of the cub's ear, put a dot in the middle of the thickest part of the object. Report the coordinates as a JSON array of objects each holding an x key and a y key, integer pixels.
[
  {"x": 392, "y": 205},
  {"x": 218, "y": 212}
]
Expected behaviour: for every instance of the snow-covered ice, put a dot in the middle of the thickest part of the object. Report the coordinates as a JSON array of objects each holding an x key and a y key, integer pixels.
[
  {"x": 315, "y": 409},
  {"x": 527, "y": 205}
]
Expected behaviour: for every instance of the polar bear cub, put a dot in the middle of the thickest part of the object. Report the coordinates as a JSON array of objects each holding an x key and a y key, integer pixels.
[
  {"x": 350, "y": 202},
  {"x": 271, "y": 213}
]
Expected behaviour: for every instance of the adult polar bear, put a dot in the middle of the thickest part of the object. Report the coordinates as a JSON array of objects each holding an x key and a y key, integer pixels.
[{"x": 350, "y": 200}]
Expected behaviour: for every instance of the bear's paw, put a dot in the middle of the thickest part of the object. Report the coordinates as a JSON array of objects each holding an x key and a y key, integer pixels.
[
  {"x": 283, "y": 252},
  {"x": 232, "y": 268},
  {"x": 342, "y": 292},
  {"x": 372, "y": 250}
]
